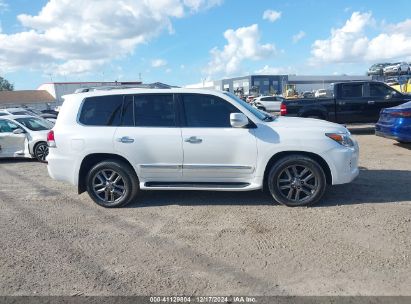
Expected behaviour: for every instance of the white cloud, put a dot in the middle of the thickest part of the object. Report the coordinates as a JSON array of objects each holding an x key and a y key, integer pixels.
[
  {"x": 70, "y": 36},
  {"x": 157, "y": 63},
  {"x": 297, "y": 37},
  {"x": 350, "y": 43},
  {"x": 196, "y": 5},
  {"x": 275, "y": 70},
  {"x": 271, "y": 15},
  {"x": 242, "y": 44}
]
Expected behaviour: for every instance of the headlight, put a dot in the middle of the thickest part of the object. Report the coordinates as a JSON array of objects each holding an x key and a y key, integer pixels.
[{"x": 343, "y": 139}]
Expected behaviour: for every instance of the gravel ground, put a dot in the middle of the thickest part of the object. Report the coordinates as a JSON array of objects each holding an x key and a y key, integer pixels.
[{"x": 356, "y": 242}]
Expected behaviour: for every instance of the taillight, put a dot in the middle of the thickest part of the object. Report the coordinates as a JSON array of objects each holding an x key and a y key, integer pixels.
[
  {"x": 50, "y": 139},
  {"x": 404, "y": 114},
  {"x": 283, "y": 109}
]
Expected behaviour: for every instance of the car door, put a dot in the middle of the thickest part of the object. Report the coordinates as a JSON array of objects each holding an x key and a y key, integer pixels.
[
  {"x": 149, "y": 136},
  {"x": 213, "y": 150},
  {"x": 11, "y": 144},
  {"x": 351, "y": 103},
  {"x": 381, "y": 96}
]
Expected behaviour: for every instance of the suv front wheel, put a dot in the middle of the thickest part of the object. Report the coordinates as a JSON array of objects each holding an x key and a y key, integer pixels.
[
  {"x": 297, "y": 180},
  {"x": 112, "y": 184}
]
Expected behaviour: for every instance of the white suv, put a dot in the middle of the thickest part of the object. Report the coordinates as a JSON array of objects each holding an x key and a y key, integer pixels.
[
  {"x": 268, "y": 103},
  {"x": 113, "y": 144}
]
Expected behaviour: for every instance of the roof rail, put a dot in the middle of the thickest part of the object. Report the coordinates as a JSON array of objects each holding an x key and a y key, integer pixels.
[{"x": 156, "y": 85}]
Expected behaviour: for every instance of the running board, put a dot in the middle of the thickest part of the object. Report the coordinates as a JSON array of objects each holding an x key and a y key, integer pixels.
[{"x": 196, "y": 185}]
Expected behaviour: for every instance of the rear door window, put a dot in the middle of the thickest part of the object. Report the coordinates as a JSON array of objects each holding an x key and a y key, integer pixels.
[
  {"x": 352, "y": 90},
  {"x": 101, "y": 111},
  {"x": 154, "y": 110}
]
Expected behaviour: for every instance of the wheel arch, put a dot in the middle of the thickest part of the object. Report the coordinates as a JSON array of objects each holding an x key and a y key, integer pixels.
[
  {"x": 276, "y": 157},
  {"x": 92, "y": 159}
]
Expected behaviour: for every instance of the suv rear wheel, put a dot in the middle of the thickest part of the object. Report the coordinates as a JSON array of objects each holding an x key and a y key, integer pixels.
[
  {"x": 296, "y": 180},
  {"x": 112, "y": 184}
]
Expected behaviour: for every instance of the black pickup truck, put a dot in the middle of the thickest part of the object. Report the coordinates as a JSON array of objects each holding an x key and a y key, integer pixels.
[{"x": 349, "y": 102}]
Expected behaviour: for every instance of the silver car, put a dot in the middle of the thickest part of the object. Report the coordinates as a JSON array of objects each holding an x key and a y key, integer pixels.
[
  {"x": 397, "y": 68},
  {"x": 24, "y": 136}
]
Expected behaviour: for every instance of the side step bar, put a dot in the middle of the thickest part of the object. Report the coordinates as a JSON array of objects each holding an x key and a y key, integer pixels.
[{"x": 195, "y": 185}]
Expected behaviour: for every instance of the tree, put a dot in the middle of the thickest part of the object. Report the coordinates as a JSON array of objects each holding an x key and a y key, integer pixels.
[{"x": 5, "y": 85}]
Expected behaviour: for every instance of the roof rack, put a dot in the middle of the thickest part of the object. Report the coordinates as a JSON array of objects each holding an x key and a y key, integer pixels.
[{"x": 155, "y": 85}]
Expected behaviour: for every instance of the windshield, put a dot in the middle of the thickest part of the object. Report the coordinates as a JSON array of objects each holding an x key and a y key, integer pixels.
[
  {"x": 35, "y": 124},
  {"x": 260, "y": 115}
]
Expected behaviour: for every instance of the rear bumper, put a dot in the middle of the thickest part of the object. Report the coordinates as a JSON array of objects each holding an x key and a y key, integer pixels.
[
  {"x": 61, "y": 168},
  {"x": 394, "y": 136},
  {"x": 398, "y": 131}
]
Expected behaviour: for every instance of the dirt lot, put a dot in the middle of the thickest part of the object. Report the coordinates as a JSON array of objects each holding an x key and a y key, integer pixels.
[{"x": 54, "y": 242}]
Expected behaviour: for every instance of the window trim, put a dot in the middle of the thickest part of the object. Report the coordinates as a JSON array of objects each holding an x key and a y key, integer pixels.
[{"x": 176, "y": 111}]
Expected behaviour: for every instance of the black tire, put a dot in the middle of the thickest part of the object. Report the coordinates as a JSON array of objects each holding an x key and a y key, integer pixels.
[
  {"x": 305, "y": 190},
  {"x": 41, "y": 150},
  {"x": 106, "y": 189}
]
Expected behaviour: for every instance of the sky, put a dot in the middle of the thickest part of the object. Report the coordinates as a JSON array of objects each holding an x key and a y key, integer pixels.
[{"x": 182, "y": 42}]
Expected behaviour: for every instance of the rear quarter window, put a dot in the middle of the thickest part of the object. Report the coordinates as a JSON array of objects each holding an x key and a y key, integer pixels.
[{"x": 101, "y": 111}]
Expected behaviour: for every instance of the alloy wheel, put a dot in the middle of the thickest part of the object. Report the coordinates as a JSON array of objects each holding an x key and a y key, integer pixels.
[
  {"x": 109, "y": 185},
  {"x": 298, "y": 183},
  {"x": 41, "y": 152}
]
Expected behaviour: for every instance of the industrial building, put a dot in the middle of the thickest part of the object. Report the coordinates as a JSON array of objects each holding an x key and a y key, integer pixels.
[
  {"x": 274, "y": 84},
  {"x": 39, "y": 99}
]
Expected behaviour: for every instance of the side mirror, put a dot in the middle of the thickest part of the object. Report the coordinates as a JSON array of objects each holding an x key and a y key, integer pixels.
[
  {"x": 238, "y": 120},
  {"x": 18, "y": 131}
]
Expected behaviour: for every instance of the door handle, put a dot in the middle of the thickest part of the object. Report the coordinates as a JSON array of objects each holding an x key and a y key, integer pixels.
[
  {"x": 193, "y": 140},
  {"x": 371, "y": 101},
  {"x": 125, "y": 140}
]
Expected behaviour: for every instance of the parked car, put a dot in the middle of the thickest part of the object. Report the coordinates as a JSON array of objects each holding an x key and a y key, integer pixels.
[
  {"x": 395, "y": 123},
  {"x": 352, "y": 102},
  {"x": 397, "y": 68},
  {"x": 268, "y": 103},
  {"x": 377, "y": 69},
  {"x": 28, "y": 111},
  {"x": 308, "y": 94},
  {"x": 114, "y": 144},
  {"x": 50, "y": 111},
  {"x": 24, "y": 136},
  {"x": 321, "y": 93}
]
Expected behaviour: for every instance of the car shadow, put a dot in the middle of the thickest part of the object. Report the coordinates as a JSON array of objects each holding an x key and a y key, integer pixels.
[
  {"x": 370, "y": 187},
  {"x": 13, "y": 160},
  {"x": 403, "y": 145}
]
